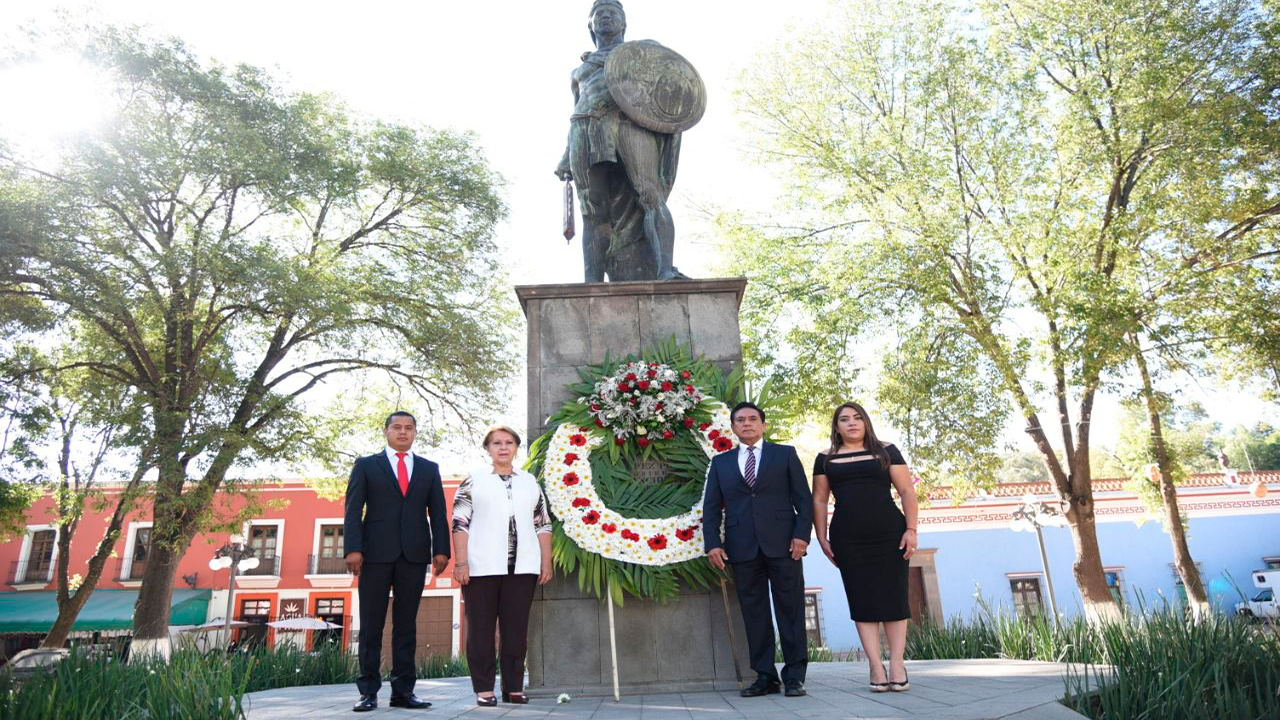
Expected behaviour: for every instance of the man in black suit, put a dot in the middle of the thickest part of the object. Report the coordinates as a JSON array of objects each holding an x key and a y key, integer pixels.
[
  {"x": 395, "y": 525},
  {"x": 760, "y": 492}
]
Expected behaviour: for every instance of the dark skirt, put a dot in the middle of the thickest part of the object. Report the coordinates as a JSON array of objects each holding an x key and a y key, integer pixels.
[{"x": 875, "y": 579}]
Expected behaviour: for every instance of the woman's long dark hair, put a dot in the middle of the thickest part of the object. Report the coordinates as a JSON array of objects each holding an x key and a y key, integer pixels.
[{"x": 869, "y": 440}]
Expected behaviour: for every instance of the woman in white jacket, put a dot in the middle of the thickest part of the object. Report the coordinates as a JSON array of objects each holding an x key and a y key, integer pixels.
[{"x": 501, "y": 551}]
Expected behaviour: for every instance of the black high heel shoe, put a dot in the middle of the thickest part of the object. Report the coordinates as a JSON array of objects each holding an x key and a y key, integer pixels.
[
  {"x": 901, "y": 686},
  {"x": 515, "y": 698},
  {"x": 879, "y": 687},
  {"x": 491, "y": 701}
]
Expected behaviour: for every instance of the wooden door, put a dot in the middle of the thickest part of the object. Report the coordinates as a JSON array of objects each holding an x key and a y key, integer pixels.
[
  {"x": 434, "y": 629},
  {"x": 915, "y": 595}
]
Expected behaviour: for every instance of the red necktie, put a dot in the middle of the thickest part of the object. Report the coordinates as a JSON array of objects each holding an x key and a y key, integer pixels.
[{"x": 402, "y": 472}]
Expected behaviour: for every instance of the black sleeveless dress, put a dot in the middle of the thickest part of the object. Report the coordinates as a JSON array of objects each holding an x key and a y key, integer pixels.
[{"x": 865, "y": 533}]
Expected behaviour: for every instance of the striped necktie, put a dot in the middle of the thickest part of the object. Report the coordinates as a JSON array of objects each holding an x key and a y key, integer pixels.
[{"x": 750, "y": 473}]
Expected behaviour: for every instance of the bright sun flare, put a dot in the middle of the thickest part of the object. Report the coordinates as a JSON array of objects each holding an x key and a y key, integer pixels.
[{"x": 44, "y": 102}]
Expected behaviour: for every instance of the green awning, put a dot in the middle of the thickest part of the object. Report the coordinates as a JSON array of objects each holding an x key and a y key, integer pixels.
[{"x": 105, "y": 610}]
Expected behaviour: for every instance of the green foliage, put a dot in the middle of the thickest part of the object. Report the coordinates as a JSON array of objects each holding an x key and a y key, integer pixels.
[
  {"x": 1256, "y": 448},
  {"x": 225, "y": 246},
  {"x": 619, "y": 492},
  {"x": 1188, "y": 437},
  {"x": 1152, "y": 664},
  {"x": 191, "y": 685}
]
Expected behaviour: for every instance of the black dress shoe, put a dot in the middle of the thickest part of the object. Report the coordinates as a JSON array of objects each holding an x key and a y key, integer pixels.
[
  {"x": 760, "y": 687},
  {"x": 367, "y": 703},
  {"x": 795, "y": 690},
  {"x": 409, "y": 701}
]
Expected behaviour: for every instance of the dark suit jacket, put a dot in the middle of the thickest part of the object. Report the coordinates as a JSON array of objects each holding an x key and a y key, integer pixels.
[
  {"x": 761, "y": 520},
  {"x": 383, "y": 524}
]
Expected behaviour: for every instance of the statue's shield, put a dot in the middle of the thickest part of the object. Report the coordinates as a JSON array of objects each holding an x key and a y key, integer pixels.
[{"x": 655, "y": 87}]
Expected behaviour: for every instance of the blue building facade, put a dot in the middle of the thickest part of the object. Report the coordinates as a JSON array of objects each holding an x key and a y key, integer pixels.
[{"x": 969, "y": 552}]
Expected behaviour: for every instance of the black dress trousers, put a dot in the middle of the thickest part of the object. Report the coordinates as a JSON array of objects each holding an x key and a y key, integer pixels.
[
  {"x": 756, "y": 580},
  {"x": 377, "y": 580}
]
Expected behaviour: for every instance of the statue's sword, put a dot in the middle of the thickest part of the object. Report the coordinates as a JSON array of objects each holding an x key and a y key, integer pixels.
[{"x": 568, "y": 211}]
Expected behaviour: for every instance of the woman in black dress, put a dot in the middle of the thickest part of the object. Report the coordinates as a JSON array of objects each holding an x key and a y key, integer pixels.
[{"x": 871, "y": 540}]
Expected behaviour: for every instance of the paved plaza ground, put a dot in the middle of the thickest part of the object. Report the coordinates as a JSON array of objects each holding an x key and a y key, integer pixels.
[{"x": 951, "y": 689}]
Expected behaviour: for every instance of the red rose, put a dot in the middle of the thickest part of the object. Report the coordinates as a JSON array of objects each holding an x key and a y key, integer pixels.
[
  {"x": 667, "y": 434},
  {"x": 653, "y": 365},
  {"x": 599, "y": 422},
  {"x": 652, "y": 374},
  {"x": 642, "y": 441},
  {"x": 609, "y": 528},
  {"x": 578, "y": 440},
  {"x": 722, "y": 443},
  {"x": 643, "y": 384},
  {"x": 659, "y": 406},
  {"x": 688, "y": 388},
  {"x": 658, "y": 542},
  {"x": 570, "y": 458},
  {"x": 595, "y": 407},
  {"x": 581, "y": 502},
  {"x": 688, "y": 423},
  {"x": 685, "y": 534},
  {"x": 623, "y": 387},
  {"x": 667, "y": 386},
  {"x": 619, "y": 441},
  {"x": 713, "y": 434},
  {"x": 686, "y": 374},
  {"x": 703, "y": 426},
  {"x": 630, "y": 377},
  {"x": 571, "y": 478}
]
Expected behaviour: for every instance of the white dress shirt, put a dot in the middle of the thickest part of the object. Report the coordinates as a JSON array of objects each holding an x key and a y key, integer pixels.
[
  {"x": 742, "y": 456},
  {"x": 395, "y": 462}
]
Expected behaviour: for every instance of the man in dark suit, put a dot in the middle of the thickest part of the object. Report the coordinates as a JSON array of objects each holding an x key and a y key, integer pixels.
[
  {"x": 395, "y": 525},
  {"x": 760, "y": 492}
]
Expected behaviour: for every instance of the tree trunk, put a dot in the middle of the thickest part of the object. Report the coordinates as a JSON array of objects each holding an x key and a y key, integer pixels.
[
  {"x": 1197, "y": 598},
  {"x": 1090, "y": 578},
  {"x": 151, "y": 616}
]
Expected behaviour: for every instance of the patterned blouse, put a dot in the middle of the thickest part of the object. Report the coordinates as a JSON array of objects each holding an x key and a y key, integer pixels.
[{"x": 462, "y": 514}]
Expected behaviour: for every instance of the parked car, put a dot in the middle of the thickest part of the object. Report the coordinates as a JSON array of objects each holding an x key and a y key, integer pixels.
[{"x": 1263, "y": 605}]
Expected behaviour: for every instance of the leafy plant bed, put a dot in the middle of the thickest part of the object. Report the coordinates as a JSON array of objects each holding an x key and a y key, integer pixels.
[
  {"x": 191, "y": 685},
  {"x": 1157, "y": 664}
]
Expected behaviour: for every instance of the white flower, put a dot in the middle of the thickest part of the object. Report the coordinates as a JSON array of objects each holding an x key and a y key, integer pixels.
[
  {"x": 641, "y": 430},
  {"x": 563, "y": 698}
]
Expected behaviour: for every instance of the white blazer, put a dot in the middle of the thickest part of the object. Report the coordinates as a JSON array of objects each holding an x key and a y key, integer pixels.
[{"x": 491, "y": 513}]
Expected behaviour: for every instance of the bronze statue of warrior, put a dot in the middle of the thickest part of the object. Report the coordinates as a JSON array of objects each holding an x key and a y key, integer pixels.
[{"x": 632, "y": 101}]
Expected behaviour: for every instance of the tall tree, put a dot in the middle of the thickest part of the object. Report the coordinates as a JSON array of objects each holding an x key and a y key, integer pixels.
[
  {"x": 225, "y": 247},
  {"x": 982, "y": 187}
]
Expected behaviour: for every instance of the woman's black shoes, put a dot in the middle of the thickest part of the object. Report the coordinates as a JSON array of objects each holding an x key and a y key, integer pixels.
[
  {"x": 490, "y": 701},
  {"x": 515, "y": 698},
  {"x": 879, "y": 687}
]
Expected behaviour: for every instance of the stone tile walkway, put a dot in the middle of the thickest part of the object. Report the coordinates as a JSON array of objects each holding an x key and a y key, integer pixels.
[{"x": 950, "y": 689}]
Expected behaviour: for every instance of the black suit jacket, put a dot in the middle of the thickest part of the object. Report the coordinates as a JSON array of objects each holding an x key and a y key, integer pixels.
[
  {"x": 383, "y": 524},
  {"x": 764, "y": 519}
]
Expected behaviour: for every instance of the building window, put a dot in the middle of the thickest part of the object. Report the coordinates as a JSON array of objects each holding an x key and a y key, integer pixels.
[
  {"x": 1271, "y": 563},
  {"x": 1115, "y": 585},
  {"x": 330, "y": 561},
  {"x": 264, "y": 539},
  {"x": 1027, "y": 600},
  {"x": 141, "y": 551},
  {"x": 256, "y": 612},
  {"x": 38, "y": 566},
  {"x": 330, "y": 610},
  {"x": 813, "y": 619}
]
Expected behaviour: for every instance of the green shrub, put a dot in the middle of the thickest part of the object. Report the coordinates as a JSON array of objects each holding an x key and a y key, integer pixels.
[
  {"x": 1149, "y": 664},
  {"x": 191, "y": 686}
]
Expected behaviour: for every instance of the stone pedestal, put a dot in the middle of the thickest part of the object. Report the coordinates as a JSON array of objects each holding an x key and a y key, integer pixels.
[{"x": 684, "y": 645}]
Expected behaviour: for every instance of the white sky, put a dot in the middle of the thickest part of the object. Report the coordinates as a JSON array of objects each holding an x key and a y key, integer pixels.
[{"x": 500, "y": 68}]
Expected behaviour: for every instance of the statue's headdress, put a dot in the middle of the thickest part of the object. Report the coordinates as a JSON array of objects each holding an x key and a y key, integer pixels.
[{"x": 598, "y": 3}]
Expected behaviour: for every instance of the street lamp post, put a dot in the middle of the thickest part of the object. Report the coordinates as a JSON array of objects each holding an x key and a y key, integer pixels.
[
  {"x": 235, "y": 555},
  {"x": 1031, "y": 516}
]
